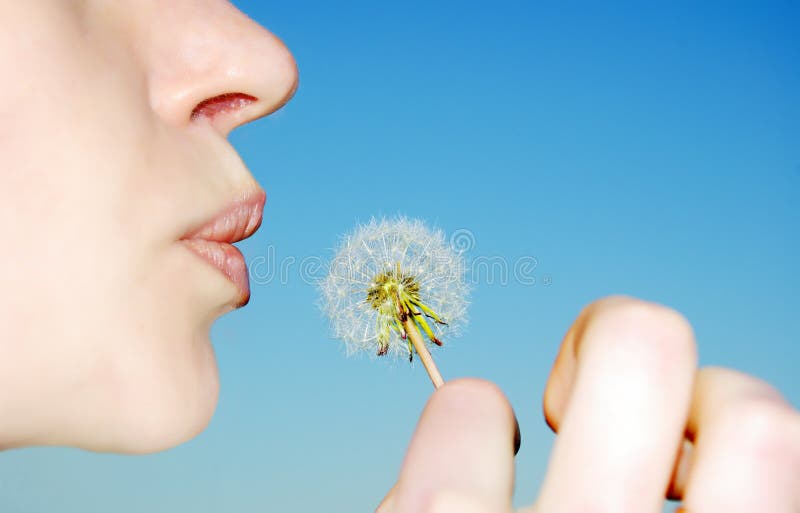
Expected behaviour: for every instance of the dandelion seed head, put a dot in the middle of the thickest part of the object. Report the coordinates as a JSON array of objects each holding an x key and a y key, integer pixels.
[{"x": 388, "y": 258}]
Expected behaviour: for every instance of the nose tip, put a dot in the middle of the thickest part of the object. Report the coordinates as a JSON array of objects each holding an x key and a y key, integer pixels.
[
  {"x": 291, "y": 90},
  {"x": 281, "y": 78},
  {"x": 217, "y": 64},
  {"x": 260, "y": 83}
]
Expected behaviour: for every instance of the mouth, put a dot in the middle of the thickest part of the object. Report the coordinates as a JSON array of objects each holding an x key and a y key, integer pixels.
[{"x": 213, "y": 240}]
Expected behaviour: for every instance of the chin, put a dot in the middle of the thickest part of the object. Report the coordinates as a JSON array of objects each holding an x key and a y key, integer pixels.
[
  {"x": 167, "y": 426},
  {"x": 159, "y": 402}
]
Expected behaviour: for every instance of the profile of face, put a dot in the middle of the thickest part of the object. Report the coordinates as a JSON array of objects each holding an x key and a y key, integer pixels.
[{"x": 118, "y": 191}]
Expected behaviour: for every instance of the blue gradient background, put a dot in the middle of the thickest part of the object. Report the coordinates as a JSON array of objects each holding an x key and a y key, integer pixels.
[{"x": 637, "y": 149}]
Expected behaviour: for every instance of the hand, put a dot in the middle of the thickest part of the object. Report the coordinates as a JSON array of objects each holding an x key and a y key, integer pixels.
[{"x": 635, "y": 420}]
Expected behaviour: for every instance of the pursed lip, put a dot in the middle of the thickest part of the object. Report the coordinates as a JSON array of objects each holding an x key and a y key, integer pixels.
[{"x": 213, "y": 240}]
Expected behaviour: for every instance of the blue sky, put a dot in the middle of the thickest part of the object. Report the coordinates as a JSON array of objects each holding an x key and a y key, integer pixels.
[{"x": 636, "y": 149}]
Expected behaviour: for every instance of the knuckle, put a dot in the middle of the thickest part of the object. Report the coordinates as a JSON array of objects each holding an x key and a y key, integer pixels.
[
  {"x": 765, "y": 430},
  {"x": 641, "y": 326}
]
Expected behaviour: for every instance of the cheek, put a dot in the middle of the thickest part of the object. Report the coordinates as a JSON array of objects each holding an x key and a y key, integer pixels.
[
  {"x": 91, "y": 275},
  {"x": 91, "y": 279},
  {"x": 149, "y": 323},
  {"x": 126, "y": 334}
]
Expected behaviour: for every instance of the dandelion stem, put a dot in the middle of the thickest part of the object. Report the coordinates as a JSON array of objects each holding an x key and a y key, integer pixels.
[{"x": 422, "y": 351}]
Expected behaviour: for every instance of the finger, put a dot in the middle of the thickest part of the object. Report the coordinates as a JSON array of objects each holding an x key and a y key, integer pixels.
[
  {"x": 387, "y": 504},
  {"x": 618, "y": 396},
  {"x": 461, "y": 452},
  {"x": 680, "y": 474},
  {"x": 455, "y": 502},
  {"x": 746, "y": 453}
]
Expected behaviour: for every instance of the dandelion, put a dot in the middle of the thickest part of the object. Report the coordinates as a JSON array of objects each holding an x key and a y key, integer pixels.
[{"x": 390, "y": 282}]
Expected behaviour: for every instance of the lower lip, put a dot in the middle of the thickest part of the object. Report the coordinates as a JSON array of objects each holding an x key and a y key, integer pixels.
[{"x": 228, "y": 259}]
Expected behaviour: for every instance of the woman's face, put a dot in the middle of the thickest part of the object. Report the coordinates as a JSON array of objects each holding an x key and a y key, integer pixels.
[{"x": 112, "y": 150}]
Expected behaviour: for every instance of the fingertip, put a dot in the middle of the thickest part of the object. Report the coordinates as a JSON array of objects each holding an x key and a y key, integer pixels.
[
  {"x": 488, "y": 397},
  {"x": 464, "y": 442},
  {"x": 476, "y": 389},
  {"x": 644, "y": 330},
  {"x": 619, "y": 397},
  {"x": 624, "y": 331},
  {"x": 473, "y": 396}
]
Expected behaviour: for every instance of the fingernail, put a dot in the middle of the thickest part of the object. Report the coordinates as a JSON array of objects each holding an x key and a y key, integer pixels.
[{"x": 517, "y": 435}]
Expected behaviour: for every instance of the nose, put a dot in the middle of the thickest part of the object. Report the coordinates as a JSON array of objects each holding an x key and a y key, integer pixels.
[{"x": 206, "y": 59}]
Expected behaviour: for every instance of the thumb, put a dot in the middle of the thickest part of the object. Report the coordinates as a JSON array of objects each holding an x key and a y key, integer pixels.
[{"x": 463, "y": 447}]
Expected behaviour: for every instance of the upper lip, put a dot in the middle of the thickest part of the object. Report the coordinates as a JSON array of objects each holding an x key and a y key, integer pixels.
[{"x": 237, "y": 221}]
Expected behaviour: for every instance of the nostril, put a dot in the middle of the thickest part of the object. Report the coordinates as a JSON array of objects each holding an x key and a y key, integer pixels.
[{"x": 222, "y": 103}]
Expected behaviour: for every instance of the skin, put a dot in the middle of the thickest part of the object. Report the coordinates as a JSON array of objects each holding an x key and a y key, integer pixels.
[
  {"x": 636, "y": 420},
  {"x": 106, "y": 315}
]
